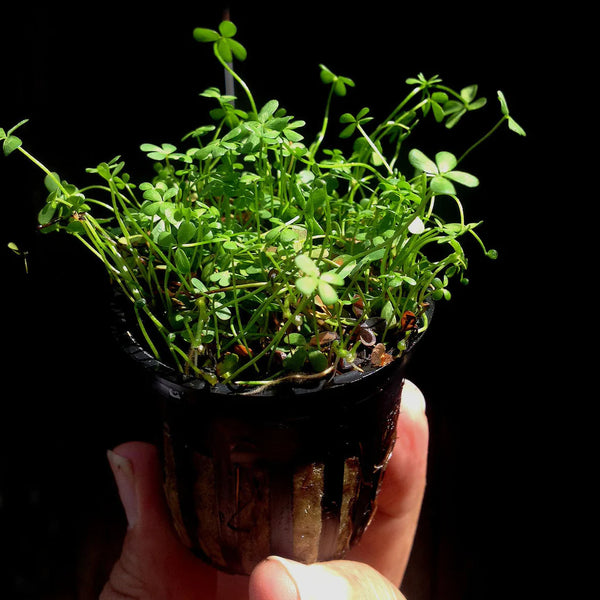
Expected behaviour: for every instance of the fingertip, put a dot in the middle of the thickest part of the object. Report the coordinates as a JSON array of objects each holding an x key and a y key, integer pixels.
[
  {"x": 281, "y": 579},
  {"x": 140, "y": 483},
  {"x": 137, "y": 452},
  {"x": 271, "y": 580},
  {"x": 123, "y": 473}
]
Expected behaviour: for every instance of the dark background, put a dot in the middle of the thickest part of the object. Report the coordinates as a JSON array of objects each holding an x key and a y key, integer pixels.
[{"x": 96, "y": 81}]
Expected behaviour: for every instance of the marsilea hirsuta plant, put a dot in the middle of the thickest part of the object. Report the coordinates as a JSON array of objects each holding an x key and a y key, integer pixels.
[{"x": 250, "y": 256}]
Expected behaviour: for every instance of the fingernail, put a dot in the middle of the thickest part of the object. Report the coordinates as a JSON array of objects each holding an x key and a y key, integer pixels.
[
  {"x": 122, "y": 469},
  {"x": 413, "y": 400},
  {"x": 314, "y": 582}
]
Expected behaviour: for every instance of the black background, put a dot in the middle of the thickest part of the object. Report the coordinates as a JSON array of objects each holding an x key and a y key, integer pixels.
[{"x": 96, "y": 81}]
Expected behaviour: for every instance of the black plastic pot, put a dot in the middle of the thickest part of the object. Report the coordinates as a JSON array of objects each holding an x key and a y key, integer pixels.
[{"x": 291, "y": 471}]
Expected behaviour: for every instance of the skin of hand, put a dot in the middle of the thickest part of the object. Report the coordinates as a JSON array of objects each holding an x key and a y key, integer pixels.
[{"x": 154, "y": 565}]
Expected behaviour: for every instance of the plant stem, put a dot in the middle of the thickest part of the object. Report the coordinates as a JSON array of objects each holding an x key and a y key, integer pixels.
[
  {"x": 43, "y": 168},
  {"x": 274, "y": 342},
  {"x": 482, "y": 139},
  {"x": 375, "y": 149},
  {"x": 321, "y": 135},
  {"x": 231, "y": 71}
]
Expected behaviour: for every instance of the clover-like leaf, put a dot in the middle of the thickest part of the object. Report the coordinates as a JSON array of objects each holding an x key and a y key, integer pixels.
[
  {"x": 467, "y": 102},
  {"x": 332, "y": 278},
  {"x": 307, "y": 285},
  {"x": 327, "y": 293},
  {"x": 313, "y": 280},
  {"x": 463, "y": 178},
  {"x": 445, "y": 161},
  {"x": 512, "y": 124},
  {"x": 440, "y": 185},
  {"x": 11, "y": 142},
  {"x": 158, "y": 152},
  {"x": 225, "y": 46},
  {"x": 421, "y": 162},
  {"x": 307, "y": 265},
  {"x": 202, "y": 34},
  {"x": 338, "y": 81},
  {"x": 227, "y": 29},
  {"x": 441, "y": 171},
  {"x": 318, "y": 360},
  {"x": 354, "y": 121}
]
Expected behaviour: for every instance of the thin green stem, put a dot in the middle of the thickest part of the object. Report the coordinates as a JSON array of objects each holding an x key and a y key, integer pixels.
[
  {"x": 482, "y": 139},
  {"x": 44, "y": 169},
  {"x": 321, "y": 135},
  {"x": 375, "y": 149},
  {"x": 274, "y": 341},
  {"x": 242, "y": 83}
]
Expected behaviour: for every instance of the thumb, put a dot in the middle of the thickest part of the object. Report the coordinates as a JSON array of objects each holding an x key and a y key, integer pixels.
[{"x": 282, "y": 579}]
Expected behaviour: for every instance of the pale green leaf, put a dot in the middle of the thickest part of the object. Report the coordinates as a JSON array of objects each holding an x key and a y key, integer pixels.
[
  {"x": 327, "y": 293},
  {"x": 307, "y": 285},
  {"x": 227, "y": 29},
  {"x": 333, "y": 278},
  {"x": 182, "y": 262},
  {"x": 445, "y": 161},
  {"x": 463, "y": 178},
  {"x": 11, "y": 143},
  {"x": 514, "y": 126},
  {"x": 421, "y": 162},
  {"x": 306, "y": 265},
  {"x": 186, "y": 232},
  {"x": 441, "y": 185},
  {"x": 201, "y": 34}
]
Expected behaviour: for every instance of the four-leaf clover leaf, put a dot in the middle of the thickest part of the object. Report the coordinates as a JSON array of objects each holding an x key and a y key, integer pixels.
[
  {"x": 338, "y": 82},
  {"x": 313, "y": 280},
  {"x": 468, "y": 102},
  {"x": 225, "y": 46},
  {"x": 441, "y": 171}
]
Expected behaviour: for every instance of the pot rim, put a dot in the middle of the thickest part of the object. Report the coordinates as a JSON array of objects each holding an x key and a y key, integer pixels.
[{"x": 174, "y": 379}]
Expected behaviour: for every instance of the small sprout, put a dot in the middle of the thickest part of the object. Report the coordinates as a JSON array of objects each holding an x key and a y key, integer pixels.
[
  {"x": 512, "y": 124},
  {"x": 22, "y": 253},
  {"x": 11, "y": 142}
]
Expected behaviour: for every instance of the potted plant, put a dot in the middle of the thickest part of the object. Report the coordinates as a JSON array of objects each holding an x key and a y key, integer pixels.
[{"x": 273, "y": 288}]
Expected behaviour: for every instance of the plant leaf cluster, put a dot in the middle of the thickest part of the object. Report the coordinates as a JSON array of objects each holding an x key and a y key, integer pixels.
[{"x": 251, "y": 255}]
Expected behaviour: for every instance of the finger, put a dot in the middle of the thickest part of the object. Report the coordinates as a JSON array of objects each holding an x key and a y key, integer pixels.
[
  {"x": 282, "y": 579},
  {"x": 405, "y": 476},
  {"x": 153, "y": 563},
  {"x": 387, "y": 543}
]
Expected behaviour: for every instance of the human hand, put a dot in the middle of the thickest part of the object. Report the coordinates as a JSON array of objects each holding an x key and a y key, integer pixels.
[{"x": 154, "y": 565}]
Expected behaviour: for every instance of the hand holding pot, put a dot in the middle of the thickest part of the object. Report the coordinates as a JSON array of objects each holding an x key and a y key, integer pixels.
[{"x": 154, "y": 565}]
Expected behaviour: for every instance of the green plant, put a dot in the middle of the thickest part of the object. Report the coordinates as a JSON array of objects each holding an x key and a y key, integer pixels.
[{"x": 252, "y": 256}]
